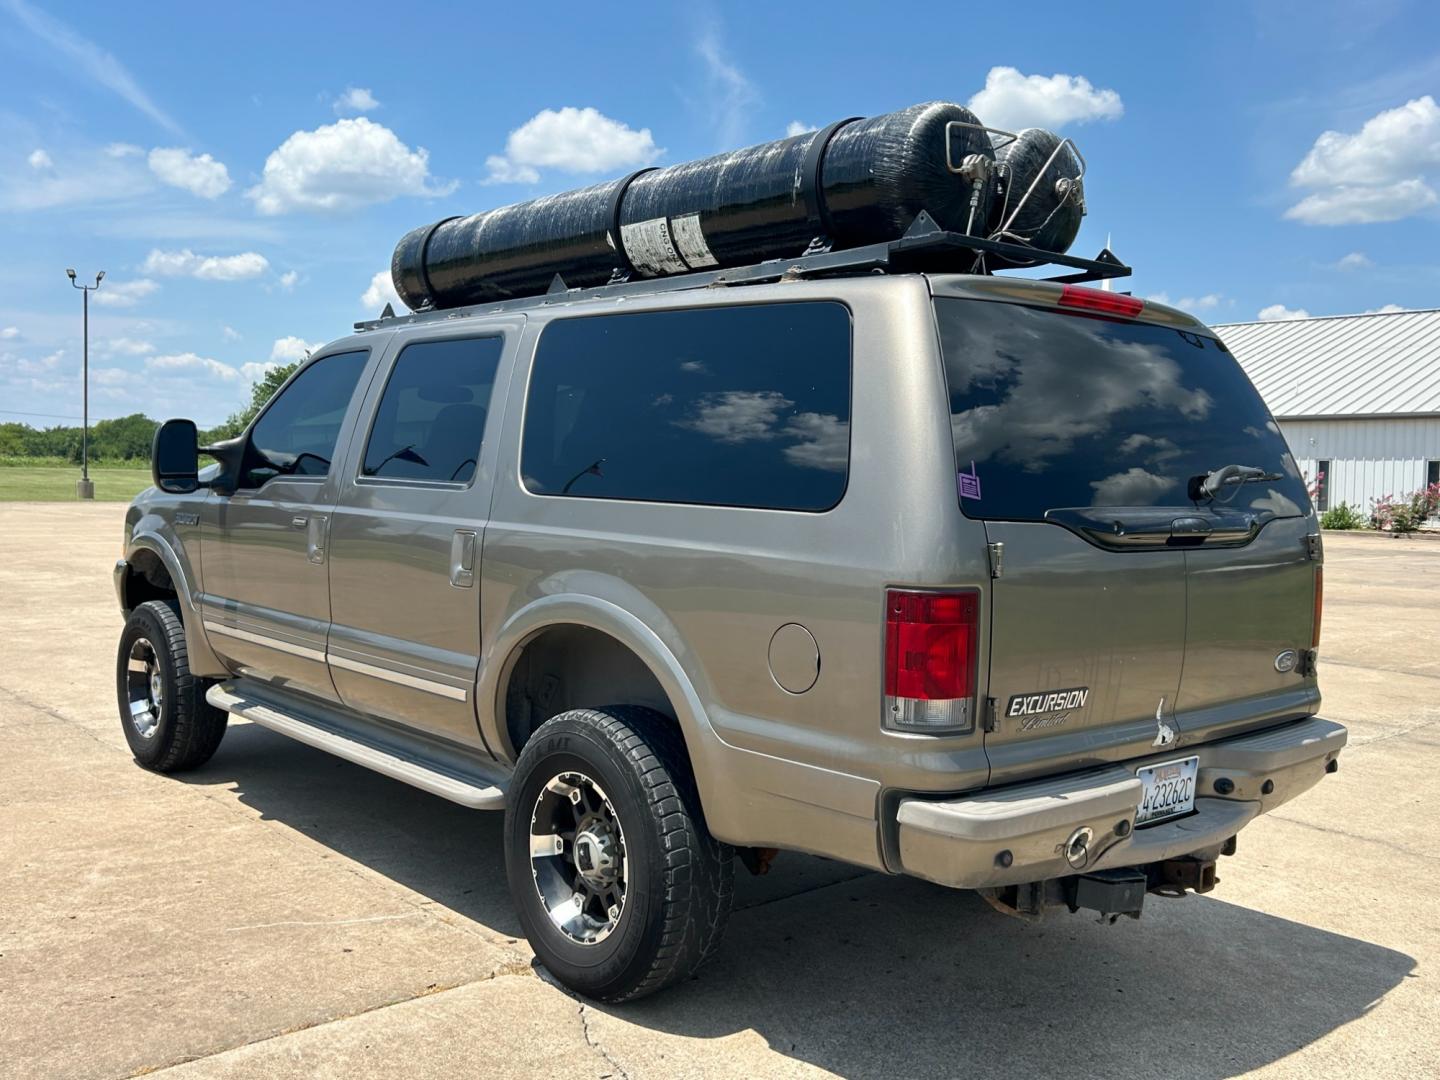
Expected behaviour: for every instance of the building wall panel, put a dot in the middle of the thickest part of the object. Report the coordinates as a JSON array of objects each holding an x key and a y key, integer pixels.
[{"x": 1369, "y": 457}]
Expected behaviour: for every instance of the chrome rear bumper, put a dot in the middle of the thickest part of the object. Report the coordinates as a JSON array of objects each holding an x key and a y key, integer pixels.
[{"x": 1024, "y": 832}]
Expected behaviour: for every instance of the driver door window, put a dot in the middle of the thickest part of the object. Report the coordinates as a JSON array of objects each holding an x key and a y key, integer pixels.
[{"x": 297, "y": 433}]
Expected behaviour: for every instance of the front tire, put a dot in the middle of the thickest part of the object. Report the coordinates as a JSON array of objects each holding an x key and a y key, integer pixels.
[
  {"x": 620, "y": 887},
  {"x": 167, "y": 721}
]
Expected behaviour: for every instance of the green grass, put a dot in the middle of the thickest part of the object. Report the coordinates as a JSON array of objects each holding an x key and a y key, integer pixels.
[{"x": 56, "y": 483}]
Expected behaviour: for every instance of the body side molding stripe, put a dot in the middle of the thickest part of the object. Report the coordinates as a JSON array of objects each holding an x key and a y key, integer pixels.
[
  {"x": 430, "y": 686},
  {"x": 266, "y": 640}
]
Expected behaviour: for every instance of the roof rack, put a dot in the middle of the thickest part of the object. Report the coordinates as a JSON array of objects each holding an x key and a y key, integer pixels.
[{"x": 924, "y": 247}]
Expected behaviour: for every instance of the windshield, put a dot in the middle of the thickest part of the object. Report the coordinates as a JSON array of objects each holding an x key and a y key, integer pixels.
[{"x": 1054, "y": 410}]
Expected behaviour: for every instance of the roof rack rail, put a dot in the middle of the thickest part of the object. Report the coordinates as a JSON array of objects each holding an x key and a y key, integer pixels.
[{"x": 925, "y": 246}]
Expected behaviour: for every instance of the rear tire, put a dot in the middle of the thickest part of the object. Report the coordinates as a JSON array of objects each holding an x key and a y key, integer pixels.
[
  {"x": 635, "y": 893},
  {"x": 168, "y": 724}
]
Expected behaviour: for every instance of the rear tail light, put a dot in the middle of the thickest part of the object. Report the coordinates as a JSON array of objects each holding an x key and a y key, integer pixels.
[
  {"x": 931, "y": 649},
  {"x": 1108, "y": 303},
  {"x": 1319, "y": 605}
]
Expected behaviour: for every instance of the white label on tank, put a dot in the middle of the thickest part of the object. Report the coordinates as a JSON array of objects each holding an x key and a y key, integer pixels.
[
  {"x": 650, "y": 248},
  {"x": 691, "y": 241}
]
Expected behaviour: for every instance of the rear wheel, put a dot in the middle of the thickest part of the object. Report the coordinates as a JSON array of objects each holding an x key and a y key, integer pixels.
[
  {"x": 620, "y": 887},
  {"x": 167, "y": 721}
]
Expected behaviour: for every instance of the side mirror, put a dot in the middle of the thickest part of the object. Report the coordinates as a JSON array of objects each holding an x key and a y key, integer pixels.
[{"x": 175, "y": 457}]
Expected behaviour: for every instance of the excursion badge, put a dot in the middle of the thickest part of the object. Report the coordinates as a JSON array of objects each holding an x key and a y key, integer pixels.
[{"x": 1046, "y": 708}]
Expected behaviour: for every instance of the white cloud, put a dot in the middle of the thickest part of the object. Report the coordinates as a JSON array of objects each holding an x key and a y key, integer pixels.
[
  {"x": 356, "y": 99},
  {"x": 730, "y": 95},
  {"x": 9, "y": 333},
  {"x": 798, "y": 127},
  {"x": 190, "y": 362},
  {"x": 287, "y": 349},
  {"x": 229, "y": 333},
  {"x": 200, "y": 175},
  {"x": 1280, "y": 313},
  {"x": 288, "y": 279},
  {"x": 89, "y": 59},
  {"x": 124, "y": 346},
  {"x": 1013, "y": 101},
  {"x": 186, "y": 263},
  {"x": 1356, "y": 205},
  {"x": 1356, "y": 260},
  {"x": 78, "y": 176},
  {"x": 255, "y": 372},
  {"x": 113, "y": 376},
  {"x": 571, "y": 140},
  {"x": 1207, "y": 302},
  {"x": 1383, "y": 172},
  {"x": 1133, "y": 487},
  {"x": 1387, "y": 309},
  {"x": 1398, "y": 142},
  {"x": 125, "y": 293},
  {"x": 342, "y": 166},
  {"x": 501, "y": 170},
  {"x": 123, "y": 150},
  {"x": 382, "y": 292}
]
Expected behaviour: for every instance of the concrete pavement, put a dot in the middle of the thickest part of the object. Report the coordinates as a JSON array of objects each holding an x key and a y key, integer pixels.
[{"x": 282, "y": 913}]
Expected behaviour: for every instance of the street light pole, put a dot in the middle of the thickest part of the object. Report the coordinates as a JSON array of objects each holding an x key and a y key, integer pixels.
[{"x": 84, "y": 489}]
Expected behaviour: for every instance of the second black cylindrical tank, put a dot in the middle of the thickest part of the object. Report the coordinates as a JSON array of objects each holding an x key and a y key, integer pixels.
[{"x": 856, "y": 182}]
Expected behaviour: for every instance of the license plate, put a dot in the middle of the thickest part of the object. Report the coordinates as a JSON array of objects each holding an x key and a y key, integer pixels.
[{"x": 1168, "y": 790}]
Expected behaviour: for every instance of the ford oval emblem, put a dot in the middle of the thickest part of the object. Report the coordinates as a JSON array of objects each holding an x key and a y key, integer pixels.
[{"x": 1286, "y": 661}]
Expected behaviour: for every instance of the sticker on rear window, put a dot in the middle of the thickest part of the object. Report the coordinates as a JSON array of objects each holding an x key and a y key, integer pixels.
[{"x": 969, "y": 483}]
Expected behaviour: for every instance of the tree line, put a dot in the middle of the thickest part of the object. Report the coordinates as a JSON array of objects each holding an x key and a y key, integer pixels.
[{"x": 127, "y": 438}]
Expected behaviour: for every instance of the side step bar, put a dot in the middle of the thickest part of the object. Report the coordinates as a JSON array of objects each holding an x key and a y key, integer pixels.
[{"x": 407, "y": 764}]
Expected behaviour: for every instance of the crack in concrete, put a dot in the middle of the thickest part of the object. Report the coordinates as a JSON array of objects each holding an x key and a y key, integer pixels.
[
  {"x": 594, "y": 1044},
  {"x": 276, "y": 829},
  {"x": 1353, "y": 836},
  {"x": 511, "y": 969}
]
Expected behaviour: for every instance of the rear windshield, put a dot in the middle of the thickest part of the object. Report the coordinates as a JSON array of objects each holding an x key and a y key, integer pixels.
[{"x": 1052, "y": 410}]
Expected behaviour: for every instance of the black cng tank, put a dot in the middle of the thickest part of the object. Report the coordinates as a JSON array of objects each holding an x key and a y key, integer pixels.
[
  {"x": 1042, "y": 195},
  {"x": 854, "y": 182}
]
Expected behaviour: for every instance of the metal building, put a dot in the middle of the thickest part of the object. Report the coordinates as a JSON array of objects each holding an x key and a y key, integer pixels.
[{"x": 1358, "y": 397}]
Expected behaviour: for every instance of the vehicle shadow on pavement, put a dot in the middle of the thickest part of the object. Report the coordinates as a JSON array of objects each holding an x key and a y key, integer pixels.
[{"x": 868, "y": 975}]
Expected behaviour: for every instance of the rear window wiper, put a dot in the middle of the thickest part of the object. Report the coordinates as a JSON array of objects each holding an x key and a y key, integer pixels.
[{"x": 1211, "y": 484}]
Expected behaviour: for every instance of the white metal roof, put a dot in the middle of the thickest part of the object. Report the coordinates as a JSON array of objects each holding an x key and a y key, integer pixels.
[{"x": 1384, "y": 364}]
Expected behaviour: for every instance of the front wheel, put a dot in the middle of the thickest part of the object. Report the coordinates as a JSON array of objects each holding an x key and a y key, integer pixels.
[
  {"x": 621, "y": 889},
  {"x": 168, "y": 723}
]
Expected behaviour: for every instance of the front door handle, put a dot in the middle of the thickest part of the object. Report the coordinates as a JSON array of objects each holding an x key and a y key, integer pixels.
[{"x": 462, "y": 558}]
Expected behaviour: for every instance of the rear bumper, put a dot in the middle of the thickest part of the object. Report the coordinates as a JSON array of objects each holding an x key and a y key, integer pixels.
[{"x": 963, "y": 842}]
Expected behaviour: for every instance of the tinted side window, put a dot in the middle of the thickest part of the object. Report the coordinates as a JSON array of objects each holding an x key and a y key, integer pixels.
[
  {"x": 297, "y": 433},
  {"x": 431, "y": 418},
  {"x": 738, "y": 406}
]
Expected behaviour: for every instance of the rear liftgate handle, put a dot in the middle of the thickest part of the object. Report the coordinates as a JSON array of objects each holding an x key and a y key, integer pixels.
[{"x": 462, "y": 559}]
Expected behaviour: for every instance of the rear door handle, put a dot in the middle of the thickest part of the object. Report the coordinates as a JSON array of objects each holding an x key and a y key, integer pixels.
[
  {"x": 462, "y": 559},
  {"x": 299, "y": 521}
]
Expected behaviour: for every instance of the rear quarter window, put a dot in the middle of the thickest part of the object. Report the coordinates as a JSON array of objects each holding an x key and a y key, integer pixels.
[
  {"x": 724, "y": 406},
  {"x": 1053, "y": 410}
]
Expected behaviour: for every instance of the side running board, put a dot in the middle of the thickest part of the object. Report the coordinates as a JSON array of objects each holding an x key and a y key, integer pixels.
[{"x": 393, "y": 755}]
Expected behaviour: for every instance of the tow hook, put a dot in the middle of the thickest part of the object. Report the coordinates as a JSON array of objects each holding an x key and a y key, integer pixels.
[{"x": 1175, "y": 877}]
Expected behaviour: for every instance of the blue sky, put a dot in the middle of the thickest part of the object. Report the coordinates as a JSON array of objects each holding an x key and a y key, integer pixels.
[{"x": 242, "y": 172}]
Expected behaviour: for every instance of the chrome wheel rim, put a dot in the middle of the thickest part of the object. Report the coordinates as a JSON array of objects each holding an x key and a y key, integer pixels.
[
  {"x": 577, "y": 858},
  {"x": 144, "y": 688}
]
